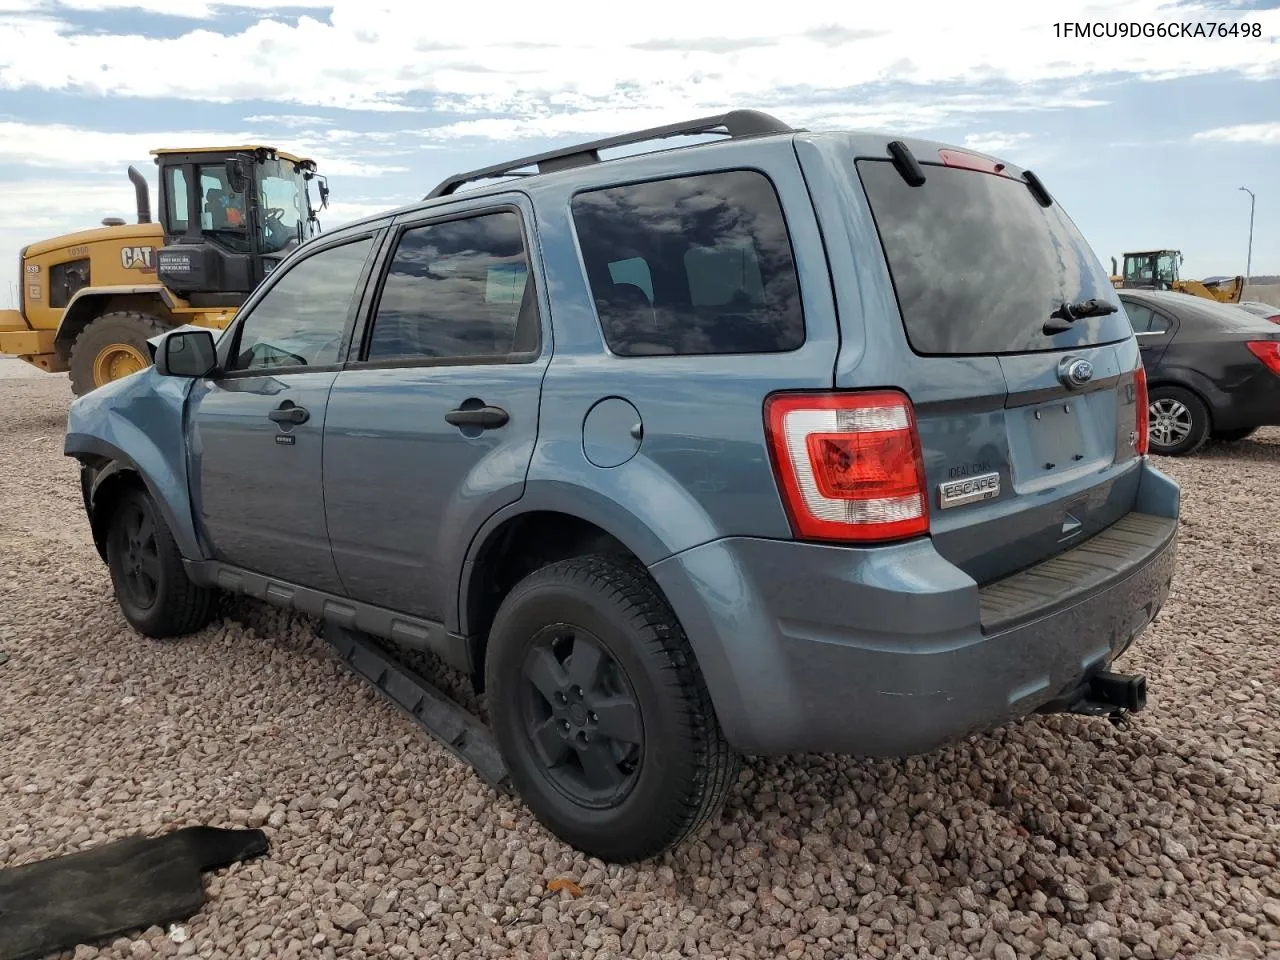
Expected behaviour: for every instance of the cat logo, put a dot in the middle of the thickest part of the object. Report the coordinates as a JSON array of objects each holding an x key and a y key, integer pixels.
[{"x": 136, "y": 258}]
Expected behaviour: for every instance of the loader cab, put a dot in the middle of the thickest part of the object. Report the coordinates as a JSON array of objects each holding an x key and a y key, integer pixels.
[
  {"x": 229, "y": 216},
  {"x": 1151, "y": 269}
]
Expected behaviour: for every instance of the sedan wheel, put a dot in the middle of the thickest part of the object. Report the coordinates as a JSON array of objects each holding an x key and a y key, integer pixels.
[{"x": 1178, "y": 421}]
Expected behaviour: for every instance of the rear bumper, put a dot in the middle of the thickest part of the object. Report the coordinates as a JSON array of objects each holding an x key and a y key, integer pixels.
[{"x": 893, "y": 651}]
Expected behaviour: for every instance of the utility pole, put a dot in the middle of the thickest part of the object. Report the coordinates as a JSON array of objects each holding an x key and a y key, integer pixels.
[{"x": 1248, "y": 269}]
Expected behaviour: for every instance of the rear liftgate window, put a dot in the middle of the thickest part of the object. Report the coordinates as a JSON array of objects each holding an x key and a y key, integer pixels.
[
  {"x": 691, "y": 265},
  {"x": 979, "y": 265}
]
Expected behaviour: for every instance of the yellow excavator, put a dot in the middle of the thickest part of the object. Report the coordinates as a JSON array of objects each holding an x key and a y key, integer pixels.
[
  {"x": 89, "y": 301},
  {"x": 1158, "y": 270}
]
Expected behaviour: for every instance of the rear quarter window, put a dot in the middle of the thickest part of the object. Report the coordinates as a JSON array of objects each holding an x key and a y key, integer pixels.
[
  {"x": 691, "y": 265},
  {"x": 978, "y": 265}
]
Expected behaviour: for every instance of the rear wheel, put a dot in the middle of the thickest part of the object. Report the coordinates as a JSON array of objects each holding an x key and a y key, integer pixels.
[
  {"x": 112, "y": 346},
  {"x": 601, "y": 711},
  {"x": 1231, "y": 436},
  {"x": 151, "y": 584},
  {"x": 1178, "y": 421}
]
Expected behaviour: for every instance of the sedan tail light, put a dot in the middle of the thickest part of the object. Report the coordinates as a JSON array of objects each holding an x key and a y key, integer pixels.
[
  {"x": 848, "y": 465},
  {"x": 1268, "y": 351}
]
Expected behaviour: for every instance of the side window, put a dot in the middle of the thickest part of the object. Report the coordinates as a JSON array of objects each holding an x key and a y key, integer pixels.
[
  {"x": 302, "y": 319},
  {"x": 1139, "y": 317},
  {"x": 1159, "y": 324},
  {"x": 691, "y": 265},
  {"x": 455, "y": 289},
  {"x": 177, "y": 200}
]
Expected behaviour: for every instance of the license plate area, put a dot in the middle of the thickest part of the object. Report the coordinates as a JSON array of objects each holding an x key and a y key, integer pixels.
[{"x": 1052, "y": 441}]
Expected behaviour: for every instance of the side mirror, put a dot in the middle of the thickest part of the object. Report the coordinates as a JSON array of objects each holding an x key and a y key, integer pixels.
[
  {"x": 237, "y": 179},
  {"x": 186, "y": 353},
  {"x": 324, "y": 193}
]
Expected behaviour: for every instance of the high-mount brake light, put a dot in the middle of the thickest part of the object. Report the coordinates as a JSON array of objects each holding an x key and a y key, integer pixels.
[
  {"x": 848, "y": 465},
  {"x": 1142, "y": 413},
  {"x": 970, "y": 161},
  {"x": 1268, "y": 351}
]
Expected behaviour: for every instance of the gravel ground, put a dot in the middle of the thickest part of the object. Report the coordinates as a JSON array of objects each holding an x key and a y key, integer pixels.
[{"x": 1057, "y": 837}]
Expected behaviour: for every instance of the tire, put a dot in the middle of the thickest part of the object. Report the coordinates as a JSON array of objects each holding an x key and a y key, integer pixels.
[
  {"x": 151, "y": 585},
  {"x": 127, "y": 331},
  {"x": 645, "y": 797},
  {"x": 1233, "y": 436},
  {"x": 1185, "y": 422}
]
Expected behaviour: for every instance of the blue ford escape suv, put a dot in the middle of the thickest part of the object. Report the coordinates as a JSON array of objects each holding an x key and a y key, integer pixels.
[{"x": 780, "y": 442}]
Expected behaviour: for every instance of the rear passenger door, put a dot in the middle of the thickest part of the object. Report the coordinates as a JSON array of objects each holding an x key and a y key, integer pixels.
[
  {"x": 1153, "y": 329},
  {"x": 431, "y": 427}
]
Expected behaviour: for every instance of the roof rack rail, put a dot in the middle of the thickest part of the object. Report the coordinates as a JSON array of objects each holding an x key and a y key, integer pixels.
[{"x": 736, "y": 123}]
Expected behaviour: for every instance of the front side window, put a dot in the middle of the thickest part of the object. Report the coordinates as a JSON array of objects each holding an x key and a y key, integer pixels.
[
  {"x": 302, "y": 320},
  {"x": 282, "y": 198},
  {"x": 691, "y": 266},
  {"x": 457, "y": 289}
]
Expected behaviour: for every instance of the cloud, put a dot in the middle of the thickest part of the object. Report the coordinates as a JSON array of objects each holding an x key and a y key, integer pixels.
[
  {"x": 994, "y": 142},
  {"x": 60, "y": 146},
  {"x": 898, "y": 113},
  {"x": 288, "y": 120},
  {"x": 191, "y": 9},
  {"x": 1268, "y": 133},
  {"x": 539, "y": 59}
]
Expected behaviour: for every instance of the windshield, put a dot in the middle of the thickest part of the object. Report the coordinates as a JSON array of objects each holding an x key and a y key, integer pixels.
[
  {"x": 282, "y": 197},
  {"x": 1166, "y": 268},
  {"x": 979, "y": 266}
]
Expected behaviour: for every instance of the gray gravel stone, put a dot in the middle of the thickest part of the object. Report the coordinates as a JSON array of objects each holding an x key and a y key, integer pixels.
[{"x": 1054, "y": 837}]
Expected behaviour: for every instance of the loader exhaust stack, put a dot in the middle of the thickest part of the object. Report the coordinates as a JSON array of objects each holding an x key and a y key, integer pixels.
[{"x": 143, "y": 194}]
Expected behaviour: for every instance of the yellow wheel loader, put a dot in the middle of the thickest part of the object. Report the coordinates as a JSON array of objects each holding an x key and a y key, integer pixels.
[
  {"x": 1158, "y": 270},
  {"x": 226, "y": 216}
]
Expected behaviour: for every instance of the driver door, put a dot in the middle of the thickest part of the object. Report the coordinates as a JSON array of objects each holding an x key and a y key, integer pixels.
[{"x": 255, "y": 428}]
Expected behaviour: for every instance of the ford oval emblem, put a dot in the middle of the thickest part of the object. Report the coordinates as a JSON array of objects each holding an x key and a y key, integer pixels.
[{"x": 1075, "y": 373}]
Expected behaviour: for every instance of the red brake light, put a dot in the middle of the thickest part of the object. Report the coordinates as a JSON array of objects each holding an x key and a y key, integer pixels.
[
  {"x": 848, "y": 465},
  {"x": 1141, "y": 403},
  {"x": 1275, "y": 319},
  {"x": 969, "y": 161},
  {"x": 1268, "y": 351}
]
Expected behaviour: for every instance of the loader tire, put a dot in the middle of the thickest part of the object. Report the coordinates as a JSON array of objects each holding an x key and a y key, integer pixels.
[{"x": 112, "y": 346}]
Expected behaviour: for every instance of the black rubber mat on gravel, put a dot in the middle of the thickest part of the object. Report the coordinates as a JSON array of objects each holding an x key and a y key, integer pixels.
[{"x": 128, "y": 884}]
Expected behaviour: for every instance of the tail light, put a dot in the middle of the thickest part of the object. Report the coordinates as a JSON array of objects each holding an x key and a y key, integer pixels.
[
  {"x": 1268, "y": 351},
  {"x": 848, "y": 465},
  {"x": 1141, "y": 405}
]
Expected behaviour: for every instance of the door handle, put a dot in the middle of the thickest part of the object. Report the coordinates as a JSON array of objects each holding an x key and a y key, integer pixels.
[
  {"x": 288, "y": 412},
  {"x": 486, "y": 418}
]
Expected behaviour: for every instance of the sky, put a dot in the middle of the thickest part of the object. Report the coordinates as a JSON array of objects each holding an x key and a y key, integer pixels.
[{"x": 1145, "y": 140}]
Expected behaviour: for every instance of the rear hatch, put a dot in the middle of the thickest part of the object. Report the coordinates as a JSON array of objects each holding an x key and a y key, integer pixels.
[{"x": 1022, "y": 461}]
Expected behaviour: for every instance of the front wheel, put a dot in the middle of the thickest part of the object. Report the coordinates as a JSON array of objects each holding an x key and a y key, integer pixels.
[
  {"x": 601, "y": 712},
  {"x": 151, "y": 584},
  {"x": 1178, "y": 421}
]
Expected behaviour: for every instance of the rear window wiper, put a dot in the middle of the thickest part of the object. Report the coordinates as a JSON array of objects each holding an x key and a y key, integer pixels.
[{"x": 1068, "y": 313}]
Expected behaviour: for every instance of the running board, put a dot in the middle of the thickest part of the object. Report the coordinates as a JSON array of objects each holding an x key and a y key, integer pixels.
[{"x": 457, "y": 729}]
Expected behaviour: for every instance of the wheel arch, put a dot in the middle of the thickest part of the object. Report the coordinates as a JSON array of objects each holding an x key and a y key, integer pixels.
[
  {"x": 92, "y": 302},
  {"x": 515, "y": 543},
  {"x": 111, "y": 470},
  {"x": 1191, "y": 381}
]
